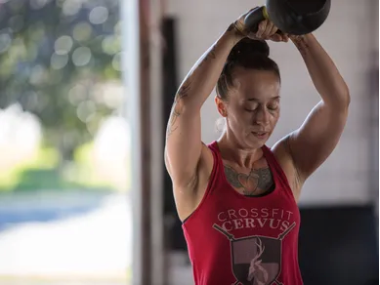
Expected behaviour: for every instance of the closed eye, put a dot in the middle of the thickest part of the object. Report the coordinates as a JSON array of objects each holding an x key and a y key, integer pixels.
[
  {"x": 273, "y": 105},
  {"x": 251, "y": 107},
  {"x": 273, "y": 108}
]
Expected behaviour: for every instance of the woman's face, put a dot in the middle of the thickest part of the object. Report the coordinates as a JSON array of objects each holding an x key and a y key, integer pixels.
[{"x": 252, "y": 107}]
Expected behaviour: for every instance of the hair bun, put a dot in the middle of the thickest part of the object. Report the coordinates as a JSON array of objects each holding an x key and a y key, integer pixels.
[{"x": 247, "y": 48}]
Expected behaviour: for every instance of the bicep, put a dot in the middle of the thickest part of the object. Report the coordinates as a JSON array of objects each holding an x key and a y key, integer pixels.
[
  {"x": 183, "y": 143},
  {"x": 316, "y": 139}
]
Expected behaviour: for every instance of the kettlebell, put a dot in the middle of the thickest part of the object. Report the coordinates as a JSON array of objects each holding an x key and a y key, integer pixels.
[{"x": 294, "y": 17}]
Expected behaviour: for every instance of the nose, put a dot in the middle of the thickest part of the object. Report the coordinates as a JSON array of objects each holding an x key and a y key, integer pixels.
[{"x": 262, "y": 116}]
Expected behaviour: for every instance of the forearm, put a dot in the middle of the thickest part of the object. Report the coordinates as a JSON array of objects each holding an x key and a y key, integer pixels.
[
  {"x": 324, "y": 74},
  {"x": 203, "y": 76}
]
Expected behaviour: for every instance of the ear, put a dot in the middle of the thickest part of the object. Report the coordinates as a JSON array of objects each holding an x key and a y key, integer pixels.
[{"x": 221, "y": 106}]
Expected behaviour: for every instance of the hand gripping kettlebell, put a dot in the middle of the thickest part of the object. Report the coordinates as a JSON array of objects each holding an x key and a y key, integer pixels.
[{"x": 294, "y": 17}]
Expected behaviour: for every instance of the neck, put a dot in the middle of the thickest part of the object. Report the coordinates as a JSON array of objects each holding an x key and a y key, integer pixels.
[{"x": 234, "y": 152}]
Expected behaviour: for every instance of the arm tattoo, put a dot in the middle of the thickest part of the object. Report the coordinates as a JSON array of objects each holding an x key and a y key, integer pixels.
[
  {"x": 233, "y": 28},
  {"x": 176, "y": 112},
  {"x": 258, "y": 181},
  {"x": 301, "y": 44},
  {"x": 209, "y": 55},
  {"x": 177, "y": 109},
  {"x": 182, "y": 93},
  {"x": 183, "y": 90}
]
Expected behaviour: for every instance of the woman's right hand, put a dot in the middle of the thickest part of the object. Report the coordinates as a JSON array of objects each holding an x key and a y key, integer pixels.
[{"x": 266, "y": 31}]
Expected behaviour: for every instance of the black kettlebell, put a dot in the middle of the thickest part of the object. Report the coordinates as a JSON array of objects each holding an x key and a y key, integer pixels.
[{"x": 295, "y": 17}]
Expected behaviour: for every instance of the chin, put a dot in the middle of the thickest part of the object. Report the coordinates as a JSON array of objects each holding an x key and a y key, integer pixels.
[{"x": 255, "y": 141}]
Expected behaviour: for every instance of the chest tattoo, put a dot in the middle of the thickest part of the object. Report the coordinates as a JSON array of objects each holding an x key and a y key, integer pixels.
[{"x": 256, "y": 182}]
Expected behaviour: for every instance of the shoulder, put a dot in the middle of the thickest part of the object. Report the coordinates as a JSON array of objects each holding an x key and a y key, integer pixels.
[{"x": 283, "y": 155}]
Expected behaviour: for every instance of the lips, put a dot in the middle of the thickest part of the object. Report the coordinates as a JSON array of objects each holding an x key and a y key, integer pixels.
[{"x": 260, "y": 135}]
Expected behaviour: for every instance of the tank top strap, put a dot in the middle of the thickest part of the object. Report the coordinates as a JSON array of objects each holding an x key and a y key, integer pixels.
[
  {"x": 279, "y": 172},
  {"x": 216, "y": 175}
]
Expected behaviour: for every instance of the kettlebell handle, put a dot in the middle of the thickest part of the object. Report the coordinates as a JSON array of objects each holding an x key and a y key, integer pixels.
[{"x": 253, "y": 19}]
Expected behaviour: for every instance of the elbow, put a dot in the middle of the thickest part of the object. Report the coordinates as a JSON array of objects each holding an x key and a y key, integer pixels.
[
  {"x": 346, "y": 97},
  {"x": 340, "y": 100},
  {"x": 343, "y": 96},
  {"x": 345, "y": 100}
]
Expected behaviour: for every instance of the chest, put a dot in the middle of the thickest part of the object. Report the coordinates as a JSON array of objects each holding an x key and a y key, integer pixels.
[{"x": 255, "y": 181}]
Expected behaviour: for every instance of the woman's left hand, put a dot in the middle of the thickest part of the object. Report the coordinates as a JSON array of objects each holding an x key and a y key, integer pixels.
[{"x": 268, "y": 31}]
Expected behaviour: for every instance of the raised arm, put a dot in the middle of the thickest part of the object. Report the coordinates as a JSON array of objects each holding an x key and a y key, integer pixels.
[
  {"x": 315, "y": 140},
  {"x": 183, "y": 141}
]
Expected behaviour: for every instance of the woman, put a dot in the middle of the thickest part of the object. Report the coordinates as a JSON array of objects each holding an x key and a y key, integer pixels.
[{"x": 236, "y": 197}]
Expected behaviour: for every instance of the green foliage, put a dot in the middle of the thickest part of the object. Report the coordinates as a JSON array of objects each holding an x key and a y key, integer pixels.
[
  {"x": 46, "y": 50},
  {"x": 46, "y": 158},
  {"x": 44, "y": 173}
]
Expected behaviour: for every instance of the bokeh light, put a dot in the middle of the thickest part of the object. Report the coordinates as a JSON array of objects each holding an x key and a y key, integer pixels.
[
  {"x": 71, "y": 7},
  {"x": 77, "y": 94},
  {"x": 111, "y": 44},
  {"x": 38, "y": 4},
  {"x": 82, "y": 31},
  {"x": 81, "y": 56},
  {"x": 63, "y": 45},
  {"x": 98, "y": 15},
  {"x": 85, "y": 110}
]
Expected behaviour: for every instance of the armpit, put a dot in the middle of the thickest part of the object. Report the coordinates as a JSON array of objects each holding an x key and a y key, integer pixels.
[{"x": 283, "y": 154}]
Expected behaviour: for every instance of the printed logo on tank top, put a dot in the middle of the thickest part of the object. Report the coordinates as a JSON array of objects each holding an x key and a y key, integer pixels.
[{"x": 255, "y": 259}]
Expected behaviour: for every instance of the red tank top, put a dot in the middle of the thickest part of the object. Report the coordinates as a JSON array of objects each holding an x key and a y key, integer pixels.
[{"x": 237, "y": 240}]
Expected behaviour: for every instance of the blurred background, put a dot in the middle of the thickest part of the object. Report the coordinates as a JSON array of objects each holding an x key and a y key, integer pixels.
[
  {"x": 64, "y": 144},
  {"x": 86, "y": 91}
]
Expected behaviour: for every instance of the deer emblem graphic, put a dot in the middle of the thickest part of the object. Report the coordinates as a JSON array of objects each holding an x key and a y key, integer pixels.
[
  {"x": 257, "y": 272},
  {"x": 251, "y": 263}
]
